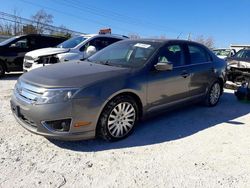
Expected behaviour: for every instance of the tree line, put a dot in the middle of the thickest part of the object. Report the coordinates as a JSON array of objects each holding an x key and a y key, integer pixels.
[{"x": 39, "y": 23}]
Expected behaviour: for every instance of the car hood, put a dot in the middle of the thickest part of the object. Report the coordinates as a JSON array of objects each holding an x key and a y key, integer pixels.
[
  {"x": 222, "y": 56},
  {"x": 238, "y": 63},
  {"x": 76, "y": 74},
  {"x": 46, "y": 51}
]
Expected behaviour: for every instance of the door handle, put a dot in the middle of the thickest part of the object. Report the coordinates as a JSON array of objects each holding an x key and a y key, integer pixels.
[{"x": 185, "y": 74}]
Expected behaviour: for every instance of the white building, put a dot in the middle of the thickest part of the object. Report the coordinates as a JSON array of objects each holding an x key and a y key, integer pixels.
[{"x": 238, "y": 47}]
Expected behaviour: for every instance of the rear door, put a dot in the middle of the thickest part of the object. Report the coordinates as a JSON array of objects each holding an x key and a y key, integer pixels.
[
  {"x": 201, "y": 69},
  {"x": 168, "y": 87}
]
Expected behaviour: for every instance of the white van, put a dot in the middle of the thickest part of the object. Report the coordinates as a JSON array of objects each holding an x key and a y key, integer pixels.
[{"x": 75, "y": 48}]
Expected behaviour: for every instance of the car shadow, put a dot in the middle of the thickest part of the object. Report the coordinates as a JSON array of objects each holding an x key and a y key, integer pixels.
[
  {"x": 11, "y": 76},
  {"x": 170, "y": 126}
]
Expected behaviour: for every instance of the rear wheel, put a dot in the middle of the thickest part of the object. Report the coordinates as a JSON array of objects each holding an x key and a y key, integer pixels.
[
  {"x": 118, "y": 118},
  {"x": 2, "y": 70},
  {"x": 213, "y": 95}
]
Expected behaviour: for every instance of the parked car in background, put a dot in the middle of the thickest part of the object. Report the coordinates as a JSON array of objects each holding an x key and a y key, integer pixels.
[
  {"x": 111, "y": 90},
  {"x": 12, "y": 50},
  {"x": 237, "y": 64},
  {"x": 224, "y": 53},
  {"x": 76, "y": 48}
]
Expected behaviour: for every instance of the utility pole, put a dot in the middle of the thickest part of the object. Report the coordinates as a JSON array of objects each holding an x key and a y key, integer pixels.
[{"x": 189, "y": 36}]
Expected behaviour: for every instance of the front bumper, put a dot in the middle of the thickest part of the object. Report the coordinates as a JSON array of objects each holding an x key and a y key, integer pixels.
[{"x": 32, "y": 118}]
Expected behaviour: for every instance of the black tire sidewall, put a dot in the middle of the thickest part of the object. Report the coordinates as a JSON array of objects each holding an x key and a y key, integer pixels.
[
  {"x": 2, "y": 72},
  {"x": 208, "y": 97},
  {"x": 102, "y": 129}
]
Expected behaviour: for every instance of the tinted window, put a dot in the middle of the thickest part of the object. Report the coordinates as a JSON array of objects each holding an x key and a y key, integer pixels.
[
  {"x": 245, "y": 54},
  {"x": 198, "y": 54},
  {"x": 99, "y": 43},
  {"x": 21, "y": 43},
  {"x": 172, "y": 54},
  {"x": 48, "y": 42}
]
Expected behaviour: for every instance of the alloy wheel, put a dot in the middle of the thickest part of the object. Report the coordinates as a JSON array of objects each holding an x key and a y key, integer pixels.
[
  {"x": 121, "y": 119},
  {"x": 215, "y": 93}
]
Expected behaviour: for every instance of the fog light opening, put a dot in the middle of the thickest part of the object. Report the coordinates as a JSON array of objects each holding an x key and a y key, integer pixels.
[{"x": 59, "y": 125}]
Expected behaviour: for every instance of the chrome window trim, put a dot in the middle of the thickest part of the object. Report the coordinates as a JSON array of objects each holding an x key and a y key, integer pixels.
[{"x": 210, "y": 62}]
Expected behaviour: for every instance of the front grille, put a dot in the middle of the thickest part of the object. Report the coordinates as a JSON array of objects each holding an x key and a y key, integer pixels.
[
  {"x": 28, "y": 93},
  {"x": 48, "y": 60}
]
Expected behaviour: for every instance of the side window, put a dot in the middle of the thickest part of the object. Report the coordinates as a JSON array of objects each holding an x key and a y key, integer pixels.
[
  {"x": 96, "y": 42},
  {"x": 198, "y": 54},
  {"x": 48, "y": 42},
  {"x": 99, "y": 43},
  {"x": 21, "y": 43},
  {"x": 172, "y": 54},
  {"x": 112, "y": 40},
  {"x": 32, "y": 42}
]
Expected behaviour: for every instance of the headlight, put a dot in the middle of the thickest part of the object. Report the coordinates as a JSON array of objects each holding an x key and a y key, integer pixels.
[{"x": 56, "y": 96}]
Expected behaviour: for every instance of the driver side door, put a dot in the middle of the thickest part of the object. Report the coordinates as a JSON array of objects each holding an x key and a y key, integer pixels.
[
  {"x": 166, "y": 88},
  {"x": 15, "y": 54}
]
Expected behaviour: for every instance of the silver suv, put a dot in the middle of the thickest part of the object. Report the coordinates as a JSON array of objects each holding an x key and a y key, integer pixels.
[{"x": 73, "y": 49}]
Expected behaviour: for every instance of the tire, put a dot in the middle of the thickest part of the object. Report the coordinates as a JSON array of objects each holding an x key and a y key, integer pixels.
[
  {"x": 213, "y": 95},
  {"x": 118, "y": 118},
  {"x": 2, "y": 70}
]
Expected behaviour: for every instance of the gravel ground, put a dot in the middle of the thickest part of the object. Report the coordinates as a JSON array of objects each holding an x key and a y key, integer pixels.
[{"x": 191, "y": 147}]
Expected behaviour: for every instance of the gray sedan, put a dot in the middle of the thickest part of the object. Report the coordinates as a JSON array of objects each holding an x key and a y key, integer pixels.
[{"x": 108, "y": 93}]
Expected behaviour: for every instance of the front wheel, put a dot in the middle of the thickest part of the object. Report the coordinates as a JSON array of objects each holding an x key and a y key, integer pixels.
[
  {"x": 213, "y": 95},
  {"x": 118, "y": 118},
  {"x": 2, "y": 70}
]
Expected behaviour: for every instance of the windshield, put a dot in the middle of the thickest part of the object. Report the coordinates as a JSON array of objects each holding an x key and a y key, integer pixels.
[
  {"x": 125, "y": 53},
  {"x": 243, "y": 54},
  {"x": 222, "y": 52},
  {"x": 7, "y": 41},
  {"x": 72, "y": 42}
]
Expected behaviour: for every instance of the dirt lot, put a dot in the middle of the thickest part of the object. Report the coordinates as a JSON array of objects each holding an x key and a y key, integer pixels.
[{"x": 191, "y": 147}]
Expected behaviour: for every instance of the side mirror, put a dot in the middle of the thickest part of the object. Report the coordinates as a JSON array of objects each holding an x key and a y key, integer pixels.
[
  {"x": 13, "y": 45},
  {"x": 90, "y": 51},
  {"x": 164, "y": 66}
]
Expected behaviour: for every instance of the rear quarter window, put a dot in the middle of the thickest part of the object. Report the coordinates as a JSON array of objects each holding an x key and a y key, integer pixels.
[{"x": 198, "y": 54}]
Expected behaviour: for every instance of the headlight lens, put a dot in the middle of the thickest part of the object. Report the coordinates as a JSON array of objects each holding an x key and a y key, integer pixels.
[{"x": 56, "y": 96}]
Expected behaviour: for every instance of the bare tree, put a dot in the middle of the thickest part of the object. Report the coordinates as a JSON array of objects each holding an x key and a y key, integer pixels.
[
  {"x": 6, "y": 29},
  {"x": 41, "y": 19},
  {"x": 209, "y": 42}
]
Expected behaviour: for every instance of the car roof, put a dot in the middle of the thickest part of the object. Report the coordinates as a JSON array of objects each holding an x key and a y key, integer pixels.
[
  {"x": 164, "y": 41},
  {"x": 104, "y": 35},
  {"x": 43, "y": 35}
]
